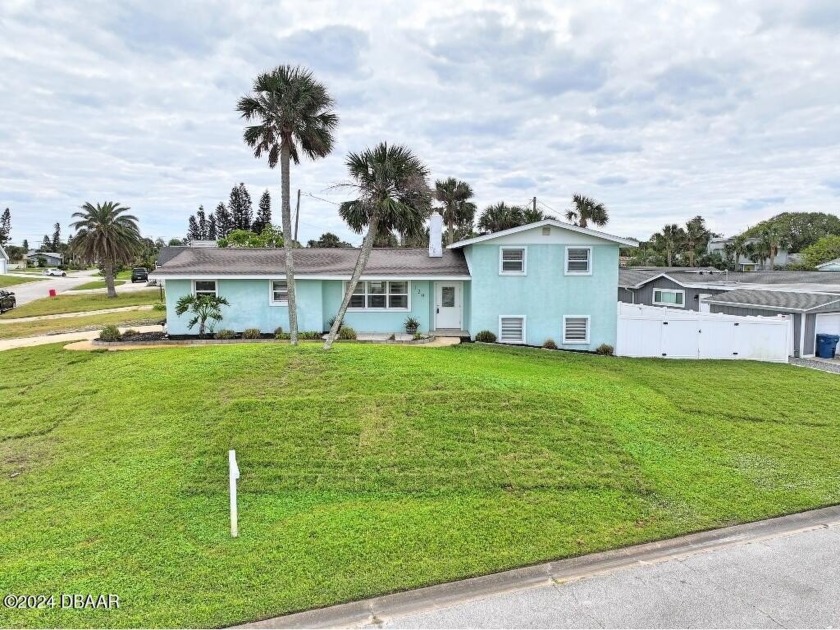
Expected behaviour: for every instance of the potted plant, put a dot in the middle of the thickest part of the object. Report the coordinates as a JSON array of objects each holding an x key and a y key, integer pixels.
[{"x": 411, "y": 325}]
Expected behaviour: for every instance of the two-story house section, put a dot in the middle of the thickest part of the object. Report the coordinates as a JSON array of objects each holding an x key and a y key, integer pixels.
[{"x": 544, "y": 280}]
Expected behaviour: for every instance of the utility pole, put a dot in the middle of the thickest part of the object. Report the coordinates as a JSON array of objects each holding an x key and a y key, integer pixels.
[
  {"x": 535, "y": 204},
  {"x": 297, "y": 216}
]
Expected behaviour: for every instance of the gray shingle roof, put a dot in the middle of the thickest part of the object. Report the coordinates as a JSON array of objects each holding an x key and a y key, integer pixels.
[
  {"x": 633, "y": 277},
  {"x": 782, "y": 300},
  {"x": 396, "y": 262},
  {"x": 637, "y": 276}
]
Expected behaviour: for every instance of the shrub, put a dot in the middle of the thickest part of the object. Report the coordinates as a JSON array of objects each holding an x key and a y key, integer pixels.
[
  {"x": 159, "y": 306},
  {"x": 549, "y": 344},
  {"x": 417, "y": 336},
  {"x": 110, "y": 333},
  {"x": 130, "y": 332},
  {"x": 485, "y": 336},
  {"x": 331, "y": 321},
  {"x": 346, "y": 333},
  {"x": 310, "y": 335},
  {"x": 605, "y": 349},
  {"x": 251, "y": 333},
  {"x": 225, "y": 333}
]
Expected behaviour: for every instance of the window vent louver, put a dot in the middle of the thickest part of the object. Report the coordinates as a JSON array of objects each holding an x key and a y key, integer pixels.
[{"x": 512, "y": 330}]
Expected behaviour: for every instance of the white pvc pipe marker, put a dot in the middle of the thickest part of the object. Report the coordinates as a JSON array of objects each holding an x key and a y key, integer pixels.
[{"x": 234, "y": 475}]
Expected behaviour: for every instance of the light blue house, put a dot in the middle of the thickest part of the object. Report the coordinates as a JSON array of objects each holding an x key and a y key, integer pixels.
[{"x": 543, "y": 280}]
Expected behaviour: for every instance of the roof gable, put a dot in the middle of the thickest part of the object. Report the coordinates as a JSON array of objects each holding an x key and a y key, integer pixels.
[{"x": 537, "y": 227}]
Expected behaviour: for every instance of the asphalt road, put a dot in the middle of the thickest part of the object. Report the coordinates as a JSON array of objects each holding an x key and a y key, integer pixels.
[
  {"x": 783, "y": 582},
  {"x": 35, "y": 290}
]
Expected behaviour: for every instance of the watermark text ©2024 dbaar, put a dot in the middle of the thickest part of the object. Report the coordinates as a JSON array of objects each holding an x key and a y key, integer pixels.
[{"x": 75, "y": 601}]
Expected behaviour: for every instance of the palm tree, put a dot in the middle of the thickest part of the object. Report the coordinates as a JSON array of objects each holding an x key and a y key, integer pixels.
[
  {"x": 106, "y": 235},
  {"x": 203, "y": 307},
  {"x": 500, "y": 216},
  {"x": 696, "y": 237},
  {"x": 391, "y": 182},
  {"x": 669, "y": 241},
  {"x": 456, "y": 209},
  {"x": 775, "y": 241},
  {"x": 293, "y": 113},
  {"x": 586, "y": 210}
]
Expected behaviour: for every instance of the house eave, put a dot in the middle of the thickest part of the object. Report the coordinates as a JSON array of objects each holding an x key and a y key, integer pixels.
[
  {"x": 281, "y": 276},
  {"x": 546, "y": 222}
]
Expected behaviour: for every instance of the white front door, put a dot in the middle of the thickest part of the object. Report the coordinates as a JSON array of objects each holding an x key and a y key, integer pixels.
[
  {"x": 449, "y": 305},
  {"x": 705, "y": 307}
]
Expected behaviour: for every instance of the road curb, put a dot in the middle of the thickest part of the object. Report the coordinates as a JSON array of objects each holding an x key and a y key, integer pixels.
[{"x": 371, "y": 611}]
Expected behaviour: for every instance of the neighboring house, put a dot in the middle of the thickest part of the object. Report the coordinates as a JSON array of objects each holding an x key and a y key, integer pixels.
[
  {"x": 831, "y": 265},
  {"x": 543, "y": 280},
  {"x": 4, "y": 261},
  {"x": 783, "y": 258},
  {"x": 51, "y": 259},
  {"x": 812, "y": 297},
  {"x": 673, "y": 287}
]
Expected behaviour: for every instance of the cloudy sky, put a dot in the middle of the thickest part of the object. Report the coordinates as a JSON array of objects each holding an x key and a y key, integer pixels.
[{"x": 661, "y": 110}]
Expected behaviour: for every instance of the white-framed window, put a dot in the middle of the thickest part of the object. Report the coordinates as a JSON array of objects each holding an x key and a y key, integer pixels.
[
  {"x": 204, "y": 287},
  {"x": 511, "y": 329},
  {"x": 512, "y": 261},
  {"x": 578, "y": 261},
  {"x": 381, "y": 295},
  {"x": 575, "y": 329},
  {"x": 669, "y": 297},
  {"x": 279, "y": 292}
]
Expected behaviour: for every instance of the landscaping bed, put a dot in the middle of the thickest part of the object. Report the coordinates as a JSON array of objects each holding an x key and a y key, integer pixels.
[{"x": 375, "y": 468}]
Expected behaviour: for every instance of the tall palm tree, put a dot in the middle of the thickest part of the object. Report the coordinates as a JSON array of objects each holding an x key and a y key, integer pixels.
[
  {"x": 392, "y": 188},
  {"x": 106, "y": 235},
  {"x": 292, "y": 114},
  {"x": 501, "y": 216},
  {"x": 456, "y": 208},
  {"x": 669, "y": 241},
  {"x": 586, "y": 210}
]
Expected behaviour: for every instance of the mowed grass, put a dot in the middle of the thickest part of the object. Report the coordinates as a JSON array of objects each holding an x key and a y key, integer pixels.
[
  {"x": 372, "y": 469},
  {"x": 10, "y": 281},
  {"x": 81, "y": 323},
  {"x": 95, "y": 284},
  {"x": 64, "y": 303}
]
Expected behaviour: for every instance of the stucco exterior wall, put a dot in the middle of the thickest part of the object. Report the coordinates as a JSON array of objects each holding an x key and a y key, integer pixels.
[
  {"x": 380, "y": 321},
  {"x": 545, "y": 294}
]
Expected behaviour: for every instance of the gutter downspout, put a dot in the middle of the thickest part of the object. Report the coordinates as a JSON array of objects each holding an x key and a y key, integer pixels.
[{"x": 801, "y": 335}]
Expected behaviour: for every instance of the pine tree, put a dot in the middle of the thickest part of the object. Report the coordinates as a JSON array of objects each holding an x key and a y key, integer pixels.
[
  {"x": 56, "y": 238},
  {"x": 26, "y": 245},
  {"x": 202, "y": 223},
  {"x": 224, "y": 223},
  {"x": 47, "y": 244},
  {"x": 211, "y": 228},
  {"x": 193, "y": 233},
  {"x": 239, "y": 206},
  {"x": 5, "y": 226},
  {"x": 263, "y": 214}
]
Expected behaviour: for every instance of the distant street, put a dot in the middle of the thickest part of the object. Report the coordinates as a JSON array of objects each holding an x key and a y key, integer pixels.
[{"x": 40, "y": 288}]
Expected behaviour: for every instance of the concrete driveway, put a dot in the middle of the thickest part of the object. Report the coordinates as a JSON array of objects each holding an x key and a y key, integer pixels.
[{"x": 30, "y": 291}]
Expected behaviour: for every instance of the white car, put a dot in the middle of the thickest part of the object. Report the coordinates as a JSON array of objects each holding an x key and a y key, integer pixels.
[{"x": 52, "y": 271}]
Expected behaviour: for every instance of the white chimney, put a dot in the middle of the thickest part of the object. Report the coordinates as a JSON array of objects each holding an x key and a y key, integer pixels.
[{"x": 435, "y": 235}]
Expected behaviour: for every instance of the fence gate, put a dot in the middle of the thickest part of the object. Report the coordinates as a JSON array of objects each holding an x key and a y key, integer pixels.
[{"x": 651, "y": 331}]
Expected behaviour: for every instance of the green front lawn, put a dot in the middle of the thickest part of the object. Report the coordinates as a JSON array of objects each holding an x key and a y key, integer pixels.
[
  {"x": 10, "y": 281},
  {"x": 65, "y": 303},
  {"x": 371, "y": 468},
  {"x": 76, "y": 324},
  {"x": 95, "y": 284}
]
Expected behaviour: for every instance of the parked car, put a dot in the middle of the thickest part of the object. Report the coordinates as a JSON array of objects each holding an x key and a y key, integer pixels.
[
  {"x": 7, "y": 301},
  {"x": 52, "y": 271},
  {"x": 139, "y": 274}
]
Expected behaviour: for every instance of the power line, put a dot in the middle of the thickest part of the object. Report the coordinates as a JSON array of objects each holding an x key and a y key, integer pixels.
[{"x": 309, "y": 194}]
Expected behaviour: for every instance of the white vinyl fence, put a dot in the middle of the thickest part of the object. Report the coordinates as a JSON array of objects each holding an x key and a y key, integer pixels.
[{"x": 651, "y": 331}]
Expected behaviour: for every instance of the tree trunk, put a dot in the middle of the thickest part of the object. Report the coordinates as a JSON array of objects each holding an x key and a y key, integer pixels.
[
  {"x": 450, "y": 237},
  {"x": 286, "y": 212},
  {"x": 361, "y": 263},
  {"x": 109, "y": 278}
]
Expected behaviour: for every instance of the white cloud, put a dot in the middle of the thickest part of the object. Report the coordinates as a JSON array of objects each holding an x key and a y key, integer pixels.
[{"x": 660, "y": 110}]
